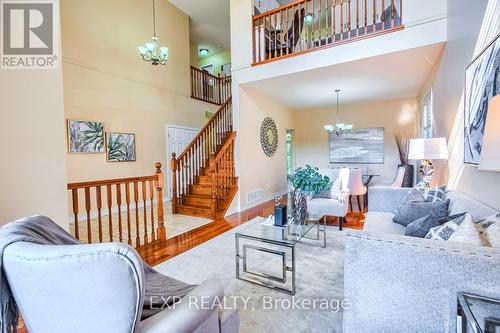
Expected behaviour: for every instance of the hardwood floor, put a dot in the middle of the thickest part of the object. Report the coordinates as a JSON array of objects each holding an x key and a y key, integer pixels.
[{"x": 157, "y": 253}]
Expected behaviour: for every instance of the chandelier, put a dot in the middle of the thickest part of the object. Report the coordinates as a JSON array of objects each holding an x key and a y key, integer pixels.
[
  {"x": 339, "y": 128},
  {"x": 149, "y": 52}
]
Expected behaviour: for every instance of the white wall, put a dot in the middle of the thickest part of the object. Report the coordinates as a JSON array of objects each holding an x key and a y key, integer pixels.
[
  {"x": 396, "y": 116},
  {"x": 33, "y": 166},
  {"x": 470, "y": 28}
]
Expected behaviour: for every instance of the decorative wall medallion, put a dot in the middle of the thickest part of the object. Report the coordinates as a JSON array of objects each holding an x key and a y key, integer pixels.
[{"x": 269, "y": 136}]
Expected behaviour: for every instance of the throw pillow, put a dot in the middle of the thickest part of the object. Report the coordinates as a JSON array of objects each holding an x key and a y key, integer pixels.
[
  {"x": 416, "y": 210},
  {"x": 447, "y": 227},
  {"x": 333, "y": 191},
  {"x": 431, "y": 194},
  {"x": 422, "y": 226},
  {"x": 413, "y": 196},
  {"x": 467, "y": 232}
]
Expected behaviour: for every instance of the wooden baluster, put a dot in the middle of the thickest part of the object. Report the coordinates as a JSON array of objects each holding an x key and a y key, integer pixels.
[
  {"x": 267, "y": 21},
  {"x": 213, "y": 171},
  {"x": 312, "y": 25},
  {"x": 127, "y": 200},
  {"x": 326, "y": 23},
  {"x": 152, "y": 207},
  {"x": 334, "y": 22},
  {"x": 253, "y": 42},
  {"x": 349, "y": 26},
  {"x": 260, "y": 36},
  {"x": 162, "y": 232},
  {"x": 374, "y": 14},
  {"x": 393, "y": 13},
  {"x": 320, "y": 35},
  {"x": 382, "y": 16},
  {"x": 173, "y": 165},
  {"x": 88, "y": 208},
  {"x": 357, "y": 17},
  {"x": 275, "y": 36},
  {"x": 365, "y": 10},
  {"x": 74, "y": 195},
  {"x": 293, "y": 27},
  {"x": 119, "y": 204},
  {"x": 99, "y": 207},
  {"x": 341, "y": 19},
  {"x": 401, "y": 11},
  {"x": 144, "y": 210},
  {"x": 110, "y": 211},
  {"x": 136, "y": 201}
]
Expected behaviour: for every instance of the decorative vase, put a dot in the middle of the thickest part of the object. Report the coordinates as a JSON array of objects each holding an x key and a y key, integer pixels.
[
  {"x": 409, "y": 174},
  {"x": 299, "y": 207}
]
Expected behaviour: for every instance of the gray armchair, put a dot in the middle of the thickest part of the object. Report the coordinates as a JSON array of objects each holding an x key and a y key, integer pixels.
[{"x": 99, "y": 288}]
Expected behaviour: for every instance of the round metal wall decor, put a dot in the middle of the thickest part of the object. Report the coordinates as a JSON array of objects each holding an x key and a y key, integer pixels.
[{"x": 269, "y": 136}]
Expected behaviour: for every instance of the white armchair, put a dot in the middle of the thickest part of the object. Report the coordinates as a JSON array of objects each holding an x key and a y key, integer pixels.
[
  {"x": 98, "y": 288},
  {"x": 321, "y": 207}
]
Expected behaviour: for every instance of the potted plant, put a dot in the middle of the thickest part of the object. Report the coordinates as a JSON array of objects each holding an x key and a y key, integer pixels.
[
  {"x": 403, "y": 143},
  {"x": 306, "y": 182}
]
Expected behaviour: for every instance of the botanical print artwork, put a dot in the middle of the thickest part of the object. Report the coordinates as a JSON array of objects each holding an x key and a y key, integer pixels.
[
  {"x": 121, "y": 147},
  {"x": 85, "y": 136},
  {"x": 358, "y": 146},
  {"x": 482, "y": 83}
]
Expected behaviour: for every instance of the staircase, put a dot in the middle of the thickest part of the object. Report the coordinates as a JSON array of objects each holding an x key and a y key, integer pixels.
[{"x": 203, "y": 175}]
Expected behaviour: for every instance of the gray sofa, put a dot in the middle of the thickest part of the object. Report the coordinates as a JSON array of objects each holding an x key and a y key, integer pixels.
[{"x": 403, "y": 284}]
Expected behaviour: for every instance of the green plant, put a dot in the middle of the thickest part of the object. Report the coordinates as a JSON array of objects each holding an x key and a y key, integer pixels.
[
  {"x": 309, "y": 180},
  {"x": 115, "y": 149},
  {"x": 94, "y": 135}
]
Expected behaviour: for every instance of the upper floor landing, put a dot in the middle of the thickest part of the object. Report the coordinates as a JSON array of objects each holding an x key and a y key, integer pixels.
[{"x": 306, "y": 35}]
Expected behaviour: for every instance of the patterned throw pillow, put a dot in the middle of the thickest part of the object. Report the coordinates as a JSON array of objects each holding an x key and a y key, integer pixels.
[
  {"x": 333, "y": 191},
  {"x": 421, "y": 227},
  {"x": 447, "y": 227},
  {"x": 467, "y": 232},
  {"x": 431, "y": 194},
  {"x": 413, "y": 196},
  {"x": 416, "y": 210}
]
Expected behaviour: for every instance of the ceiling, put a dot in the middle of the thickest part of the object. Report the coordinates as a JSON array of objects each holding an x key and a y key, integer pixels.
[
  {"x": 209, "y": 23},
  {"x": 391, "y": 76}
]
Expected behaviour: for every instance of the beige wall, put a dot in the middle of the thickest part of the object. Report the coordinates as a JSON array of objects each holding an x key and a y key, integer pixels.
[
  {"x": 217, "y": 60},
  {"x": 470, "y": 28},
  {"x": 105, "y": 80},
  {"x": 33, "y": 167},
  {"x": 193, "y": 55},
  {"x": 257, "y": 170},
  {"x": 397, "y": 116}
]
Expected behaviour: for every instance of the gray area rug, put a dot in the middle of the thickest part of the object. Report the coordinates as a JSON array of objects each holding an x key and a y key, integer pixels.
[{"x": 319, "y": 279}]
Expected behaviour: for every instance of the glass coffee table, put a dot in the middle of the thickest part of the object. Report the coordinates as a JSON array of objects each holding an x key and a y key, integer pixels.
[
  {"x": 479, "y": 314},
  {"x": 278, "y": 241}
]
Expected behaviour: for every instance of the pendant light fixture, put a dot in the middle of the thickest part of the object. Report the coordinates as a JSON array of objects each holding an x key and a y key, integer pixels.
[
  {"x": 149, "y": 52},
  {"x": 339, "y": 128}
]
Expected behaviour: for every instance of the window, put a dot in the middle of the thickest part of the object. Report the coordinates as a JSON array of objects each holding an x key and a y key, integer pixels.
[{"x": 427, "y": 117}]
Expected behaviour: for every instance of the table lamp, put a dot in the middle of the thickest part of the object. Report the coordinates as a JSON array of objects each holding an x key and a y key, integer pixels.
[
  {"x": 490, "y": 152},
  {"x": 427, "y": 150}
]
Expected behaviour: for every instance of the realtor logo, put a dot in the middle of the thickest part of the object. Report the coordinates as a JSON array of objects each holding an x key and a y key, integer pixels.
[{"x": 28, "y": 35}]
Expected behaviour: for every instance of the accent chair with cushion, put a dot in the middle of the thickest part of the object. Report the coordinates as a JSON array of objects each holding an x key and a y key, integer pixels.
[
  {"x": 320, "y": 207},
  {"x": 99, "y": 288}
]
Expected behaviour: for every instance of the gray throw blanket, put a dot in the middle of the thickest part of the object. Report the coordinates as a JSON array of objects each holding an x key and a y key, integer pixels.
[{"x": 42, "y": 230}]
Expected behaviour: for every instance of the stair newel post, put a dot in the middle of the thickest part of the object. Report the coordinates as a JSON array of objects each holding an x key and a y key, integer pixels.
[
  {"x": 213, "y": 171},
  {"x": 162, "y": 232},
  {"x": 173, "y": 166}
]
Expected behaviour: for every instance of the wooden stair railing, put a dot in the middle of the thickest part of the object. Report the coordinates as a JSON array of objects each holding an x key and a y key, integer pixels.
[
  {"x": 137, "y": 231},
  {"x": 209, "y": 88},
  {"x": 192, "y": 170},
  {"x": 306, "y": 25}
]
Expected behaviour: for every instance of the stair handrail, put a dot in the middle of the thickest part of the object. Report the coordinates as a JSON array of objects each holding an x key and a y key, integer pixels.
[{"x": 196, "y": 156}]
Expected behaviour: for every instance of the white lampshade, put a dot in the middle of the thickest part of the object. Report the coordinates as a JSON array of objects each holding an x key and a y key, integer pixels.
[
  {"x": 428, "y": 149},
  {"x": 490, "y": 152}
]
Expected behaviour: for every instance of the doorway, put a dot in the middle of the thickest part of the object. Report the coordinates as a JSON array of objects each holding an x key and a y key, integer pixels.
[{"x": 178, "y": 138}]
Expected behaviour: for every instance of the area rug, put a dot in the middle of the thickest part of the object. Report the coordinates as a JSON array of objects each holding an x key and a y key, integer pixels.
[{"x": 317, "y": 305}]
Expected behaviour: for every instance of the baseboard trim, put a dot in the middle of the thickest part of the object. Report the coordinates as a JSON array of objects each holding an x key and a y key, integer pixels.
[{"x": 262, "y": 200}]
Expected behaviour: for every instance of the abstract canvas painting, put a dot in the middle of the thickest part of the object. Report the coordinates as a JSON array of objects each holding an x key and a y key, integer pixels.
[
  {"x": 85, "y": 136},
  {"x": 482, "y": 83},
  {"x": 358, "y": 146},
  {"x": 120, "y": 147}
]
